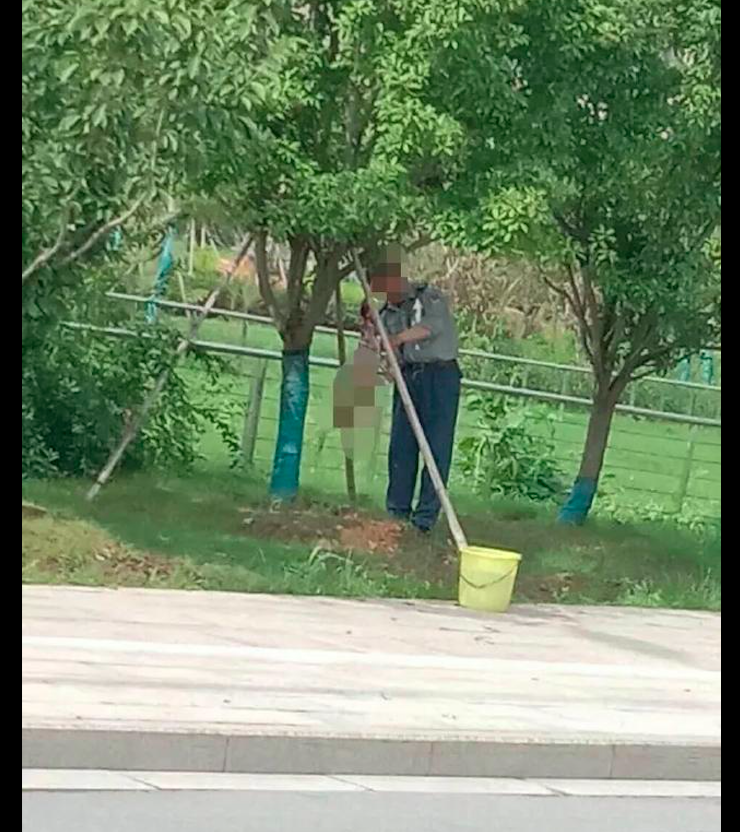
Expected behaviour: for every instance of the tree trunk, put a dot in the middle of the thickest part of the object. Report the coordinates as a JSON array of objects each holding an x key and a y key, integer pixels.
[
  {"x": 294, "y": 388},
  {"x": 581, "y": 498},
  {"x": 297, "y": 325}
]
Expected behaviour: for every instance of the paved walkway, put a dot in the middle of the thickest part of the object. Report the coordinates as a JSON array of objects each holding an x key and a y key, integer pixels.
[{"x": 314, "y": 685}]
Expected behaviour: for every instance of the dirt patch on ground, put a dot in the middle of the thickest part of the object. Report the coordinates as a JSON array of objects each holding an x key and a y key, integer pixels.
[
  {"x": 575, "y": 560},
  {"x": 55, "y": 550},
  {"x": 346, "y": 530},
  {"x": 367, "y": 535}
]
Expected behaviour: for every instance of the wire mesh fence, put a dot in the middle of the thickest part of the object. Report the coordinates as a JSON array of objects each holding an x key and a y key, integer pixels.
[
  {"x": 671, "y": 466},
  {"x": 664, "y": 450}
]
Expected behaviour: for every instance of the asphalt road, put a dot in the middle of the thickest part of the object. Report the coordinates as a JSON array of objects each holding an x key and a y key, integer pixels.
[{"x": 310, "y": 811}]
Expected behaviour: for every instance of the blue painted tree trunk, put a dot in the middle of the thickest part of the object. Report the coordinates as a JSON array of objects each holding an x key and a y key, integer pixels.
[
  {"x": 683, "y": 371},
  {"x": 707, "y": 366},
  {"x": 581, "y": 498},
  {"x": 286, "y": 466},
  {"x": 576, "y": 508},
  {"x": 164, "y": 267}
]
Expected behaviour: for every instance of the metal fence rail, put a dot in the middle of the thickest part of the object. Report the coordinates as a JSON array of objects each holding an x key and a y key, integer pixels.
[
  {"x": 676, "y": 468},
  {"x": 491, "y": 387},
  {"x": 466, "y": 353}
]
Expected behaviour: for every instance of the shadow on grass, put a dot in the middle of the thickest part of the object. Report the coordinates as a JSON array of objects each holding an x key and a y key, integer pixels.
[{"x": 223, "y": 527}]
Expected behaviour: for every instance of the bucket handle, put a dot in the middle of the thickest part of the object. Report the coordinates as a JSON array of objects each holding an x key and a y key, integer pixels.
[{"x": 490, "y": 583}]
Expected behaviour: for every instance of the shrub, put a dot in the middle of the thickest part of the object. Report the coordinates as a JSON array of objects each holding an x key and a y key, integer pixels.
[
  {"x": 505, "y": 458},
  {"x": 78, "y": 390}
]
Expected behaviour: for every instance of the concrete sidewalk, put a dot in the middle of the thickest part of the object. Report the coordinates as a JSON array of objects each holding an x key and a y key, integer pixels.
[{"x": 150, "y": 680}]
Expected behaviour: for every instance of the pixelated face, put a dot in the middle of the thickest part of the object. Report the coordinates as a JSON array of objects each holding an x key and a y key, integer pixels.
[{"x": 390, "y": 282}]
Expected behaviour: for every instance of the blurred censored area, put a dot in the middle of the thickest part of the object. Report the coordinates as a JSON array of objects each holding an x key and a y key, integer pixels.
[{"x": 356, "y": 411}]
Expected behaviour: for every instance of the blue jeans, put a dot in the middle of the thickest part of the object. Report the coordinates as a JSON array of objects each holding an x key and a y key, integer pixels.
[{"x": 435, "y": 392}]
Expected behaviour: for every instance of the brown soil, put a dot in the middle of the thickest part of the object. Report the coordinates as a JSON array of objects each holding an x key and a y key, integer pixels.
[
  {"x": 344, "y": 529},
  {"x": 433, "y": 558}
]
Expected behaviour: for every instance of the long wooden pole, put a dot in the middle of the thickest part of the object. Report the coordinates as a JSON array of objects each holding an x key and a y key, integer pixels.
[
  {"x": 456, "y": 529},
  {"x": 135, "y": 424}
]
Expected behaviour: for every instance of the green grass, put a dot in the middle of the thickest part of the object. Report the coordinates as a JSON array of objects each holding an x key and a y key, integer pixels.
[
  {"x": 198, "y": 521},
  {"x": 216, "y": 531},
  {"x": 191, "y": 532}
]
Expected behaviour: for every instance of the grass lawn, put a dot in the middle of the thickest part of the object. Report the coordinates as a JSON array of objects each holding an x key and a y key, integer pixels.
[{"x": 216, "y": 531}]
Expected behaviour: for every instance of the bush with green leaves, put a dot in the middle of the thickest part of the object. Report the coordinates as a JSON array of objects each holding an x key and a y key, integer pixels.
[
  {"x": 505, "y": 458},
  {"x": 79, "y": 389}
]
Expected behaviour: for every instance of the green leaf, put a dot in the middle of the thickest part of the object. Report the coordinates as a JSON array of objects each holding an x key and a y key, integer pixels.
[
  {"x": 194, "y": 65},
  {"x": 68, "y": 71}
]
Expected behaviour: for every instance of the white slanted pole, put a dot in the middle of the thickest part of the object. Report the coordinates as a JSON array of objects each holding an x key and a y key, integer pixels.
[{"x": 135, "y": 423}]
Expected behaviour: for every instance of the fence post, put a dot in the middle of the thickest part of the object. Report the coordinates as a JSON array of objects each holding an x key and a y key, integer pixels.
[
  {"x": 191, "y": 249},
  {"x": 245, "y": 308},
  {"x": 685, "y": 478},
  {"x": 252, "y": 415},
  {"x": 564, "y": 391},
  {"x": 377, "y": 436}
]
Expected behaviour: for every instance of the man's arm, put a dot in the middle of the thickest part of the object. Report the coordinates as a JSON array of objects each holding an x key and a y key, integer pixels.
[
  {"x": 433, "y": 323},
  {"x": 411, "y": 335}
]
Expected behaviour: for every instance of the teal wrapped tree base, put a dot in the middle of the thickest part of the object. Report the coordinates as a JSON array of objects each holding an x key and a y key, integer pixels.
[
  {"x": 164, "y": 267},
  {"x": 576, "y": 508},
  {"x": 286, "y": 467}
]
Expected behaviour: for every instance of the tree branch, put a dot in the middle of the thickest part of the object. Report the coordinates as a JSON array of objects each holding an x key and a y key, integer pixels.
[
  {"x": 43, "y": 258},
  {"x": 570, "y": 230},
  {"x": 579, "y": 310},
  {"x": 299, "y": 250},
  {"x": 101, "y": 232},
  {"x": 421, "y": 242},
  {"x": 639, "y": 376},
  {"x": 641, "y": 338},
  {"x": 596, "y": 324},
  {"x": 263, "y": 278},
  {"x": 614, "y": 336},
  {"x": 559, "y": 290},
  {"x": 327, "y": 280},
  {"x": 347, "y": 270}
]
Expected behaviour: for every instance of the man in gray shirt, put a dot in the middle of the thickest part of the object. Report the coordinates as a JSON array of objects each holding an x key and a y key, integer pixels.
[{"x": 423, "y": 331}]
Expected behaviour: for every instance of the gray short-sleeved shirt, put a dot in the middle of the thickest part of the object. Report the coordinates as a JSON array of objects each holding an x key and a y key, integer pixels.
[{"x": 428, "y": 307}]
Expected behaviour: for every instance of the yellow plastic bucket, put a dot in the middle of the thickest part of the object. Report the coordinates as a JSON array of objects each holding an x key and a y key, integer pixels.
[{"x": 487, "y": 578}]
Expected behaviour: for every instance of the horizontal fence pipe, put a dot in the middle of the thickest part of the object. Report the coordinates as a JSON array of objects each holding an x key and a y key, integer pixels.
[
  {"x": 540, "y": 395},
  {"x": 491, "y": 356},
  {"x": 523, "y": 392}
]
